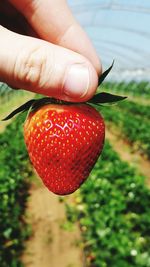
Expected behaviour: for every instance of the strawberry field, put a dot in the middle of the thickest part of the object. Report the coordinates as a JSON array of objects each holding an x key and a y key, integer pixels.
[
  {"x": 133, "y": 126},
  {"x": 132, "y": 88},
  {"x": 14, "y": 184},
  {"x": 111, "y": 210},
  {"x": 74, "y": 164}
]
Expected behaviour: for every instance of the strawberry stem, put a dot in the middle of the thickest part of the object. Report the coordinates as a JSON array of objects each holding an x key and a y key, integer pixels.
[{"x": 97, "y": 99}]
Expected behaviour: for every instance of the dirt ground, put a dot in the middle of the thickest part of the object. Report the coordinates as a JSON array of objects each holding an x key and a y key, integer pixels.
[
  {"x": 126, "y": 153},
  {"x": 50, "y": 245}
]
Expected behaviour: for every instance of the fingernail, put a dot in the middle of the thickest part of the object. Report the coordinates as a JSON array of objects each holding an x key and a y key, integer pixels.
[{"x": 76, "y": 81}]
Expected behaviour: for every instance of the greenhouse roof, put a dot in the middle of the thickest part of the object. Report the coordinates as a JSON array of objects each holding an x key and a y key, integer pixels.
[{"x": 119, "y": 30}]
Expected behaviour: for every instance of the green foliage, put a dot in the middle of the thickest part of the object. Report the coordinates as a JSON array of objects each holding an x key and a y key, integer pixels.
[
  {"x": 114, "y": 214},
  {"x": 14, "y": 173},
  {"x": 132, "y": 88},
  {"x": 134, "y": 127},
  {"x": 135, "y": 108}
]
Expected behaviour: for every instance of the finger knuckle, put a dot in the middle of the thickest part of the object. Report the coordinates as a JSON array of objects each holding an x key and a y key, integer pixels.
[{"x": 31, "y": 68}]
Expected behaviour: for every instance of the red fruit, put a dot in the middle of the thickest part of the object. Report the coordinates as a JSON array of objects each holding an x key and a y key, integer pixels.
[{"x": 64, "y": 142}]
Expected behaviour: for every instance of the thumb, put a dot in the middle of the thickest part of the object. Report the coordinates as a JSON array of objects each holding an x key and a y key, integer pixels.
[{"x": 39, "y": 66}]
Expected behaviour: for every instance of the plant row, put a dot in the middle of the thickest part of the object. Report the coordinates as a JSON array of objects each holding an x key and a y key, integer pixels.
[
  {"x": 130, "y": 88},
  {"x": 113, "y": 212},
  {"x": 134, "y": 128},
  {"x": 14, "y": 173},
  {"x": 135, "y": 108}
]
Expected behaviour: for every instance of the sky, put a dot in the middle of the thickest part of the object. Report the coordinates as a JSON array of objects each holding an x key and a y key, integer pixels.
[{"x": 119, "y": 30}]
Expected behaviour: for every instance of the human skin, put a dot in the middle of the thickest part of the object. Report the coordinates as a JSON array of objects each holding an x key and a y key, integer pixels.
[{"x": 43, "y": 49}]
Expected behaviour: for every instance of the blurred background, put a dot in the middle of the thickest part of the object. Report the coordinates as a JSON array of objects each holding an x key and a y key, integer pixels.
[
  {"x": 119, "y": 30},
  {"x": 107, "y": 221}
]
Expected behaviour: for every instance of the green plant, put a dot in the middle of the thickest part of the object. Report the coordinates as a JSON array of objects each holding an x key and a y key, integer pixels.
[
  {"x": 135, "y": 128},
  {"x": 115, "y": 214},
  {"x": 132, "y": 88},
  {"x": 14, "y": 174}
]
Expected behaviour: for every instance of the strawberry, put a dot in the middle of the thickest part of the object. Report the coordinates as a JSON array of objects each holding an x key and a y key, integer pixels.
[{"x": 64, "y": 142}]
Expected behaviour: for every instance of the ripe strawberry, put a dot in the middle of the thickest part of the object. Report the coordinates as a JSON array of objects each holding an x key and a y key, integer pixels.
[{"x": 64, "y": 142}]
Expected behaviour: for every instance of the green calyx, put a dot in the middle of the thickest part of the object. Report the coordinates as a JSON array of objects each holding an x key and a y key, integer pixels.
[{"x": 98, "y": 99}]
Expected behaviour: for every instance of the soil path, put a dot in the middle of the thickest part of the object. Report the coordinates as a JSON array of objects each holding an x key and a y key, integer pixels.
[
  {"x": 142, "y": 101},
  {"x": 49, "y": 245},
  {"x": 126, "y": 153}
]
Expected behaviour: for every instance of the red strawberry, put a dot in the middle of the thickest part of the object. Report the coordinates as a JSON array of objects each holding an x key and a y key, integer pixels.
[{"x": 64, "y": 142}]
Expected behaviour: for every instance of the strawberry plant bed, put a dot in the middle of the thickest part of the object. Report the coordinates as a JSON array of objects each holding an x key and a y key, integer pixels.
[
  {"x": 127, "y": 153},
  {"x": 133, "y": 127},
  {"x": 14, "y": 173},
  {"x": 114, "y": 215},
  {"x": 132, "y": 88},
  {"x": 135, "y": 108}
]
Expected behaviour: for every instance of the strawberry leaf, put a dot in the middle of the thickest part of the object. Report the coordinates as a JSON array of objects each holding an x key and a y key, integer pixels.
[
  {"x": 105, "y": 98},
  {"x": 22, "y": 108},
  {"x": 43, "y": 101},
  {"x": 104, "y": 74},
  {"x": 33, "y": 105}
]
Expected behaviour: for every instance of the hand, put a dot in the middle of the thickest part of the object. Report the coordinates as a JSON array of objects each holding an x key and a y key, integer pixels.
[{"x": 43, "y": 49}]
